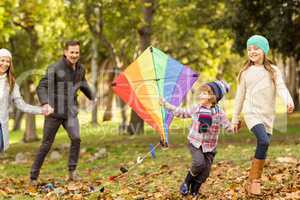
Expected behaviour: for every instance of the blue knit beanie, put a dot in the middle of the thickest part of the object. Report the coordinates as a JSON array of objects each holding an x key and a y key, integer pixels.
[
  {"x": 219, "y": 88},
  {"x": 259, "y": 41}
]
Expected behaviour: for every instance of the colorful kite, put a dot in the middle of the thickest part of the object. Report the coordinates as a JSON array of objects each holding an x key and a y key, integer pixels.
[{"x": 152, "y": 76}]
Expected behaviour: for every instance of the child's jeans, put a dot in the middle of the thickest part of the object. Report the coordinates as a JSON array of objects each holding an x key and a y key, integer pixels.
[
  {"x": 263, "y": 141},
  {"x": 201, "y": 163}
]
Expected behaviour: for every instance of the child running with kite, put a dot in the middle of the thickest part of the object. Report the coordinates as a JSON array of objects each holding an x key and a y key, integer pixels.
[
  {"x": 155, "y": 75},
  {"x": 207, "y": 120}
]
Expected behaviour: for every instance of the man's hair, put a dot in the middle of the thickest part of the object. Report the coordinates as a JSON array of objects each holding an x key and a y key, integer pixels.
[{"x": 71, "y": 43}]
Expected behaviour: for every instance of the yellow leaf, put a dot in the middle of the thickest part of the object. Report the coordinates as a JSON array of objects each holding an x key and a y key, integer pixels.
[
  {"x": 10, "y": 190},
  {"x": 32, "y": 190},
  {"x": 74, "y": 186},
  {"x": 77, "y": 197},
  {"x": 51, "y": 196},
  {"x": 3, "y": 193}
]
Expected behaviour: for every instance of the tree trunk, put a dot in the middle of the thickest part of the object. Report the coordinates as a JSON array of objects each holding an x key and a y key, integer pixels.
[
  {"x": 18, "y": 118},
  {"x": 94, "y": 66},
  {"x": 292, "y": 76},
  {"x": 145, "y": 31},
  {"x": 30, "y": 128},
  {"x": 29, "y": 28},
  {"x": 123, "y": 125},
  {"x": 220, "y": 73},
  {"x": 292, "y": 80},
  {"x": 297, "y": 101},
  {"x": 107, "y": 116},
  {"x": 296, "y": 96},
  {"x": 136, "y": 124}
]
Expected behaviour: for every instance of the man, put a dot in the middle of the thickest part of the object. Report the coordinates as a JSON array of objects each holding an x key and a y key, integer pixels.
[{"x": 58, "y": 89}]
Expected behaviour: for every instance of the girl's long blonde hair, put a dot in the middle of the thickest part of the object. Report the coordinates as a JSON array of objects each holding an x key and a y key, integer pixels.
[
  {"x": 10, "y": 77},
  {"x": 267, "y": 65}
]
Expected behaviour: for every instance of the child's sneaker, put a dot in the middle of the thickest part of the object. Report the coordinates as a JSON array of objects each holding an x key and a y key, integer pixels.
[
  {"x": 184, "y": 189},
  {"x": 185, "y": 186},
  {"x": 195, "y": 186}
]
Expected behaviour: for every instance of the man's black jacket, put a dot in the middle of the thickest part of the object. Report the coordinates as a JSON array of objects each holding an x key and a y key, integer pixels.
[{"x": 59, "y": 87}]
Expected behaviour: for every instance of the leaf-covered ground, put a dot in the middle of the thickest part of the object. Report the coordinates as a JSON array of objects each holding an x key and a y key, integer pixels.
[{"x": 103, "y": 152}]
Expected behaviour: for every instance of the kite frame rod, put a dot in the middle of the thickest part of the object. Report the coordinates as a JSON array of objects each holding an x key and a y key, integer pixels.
[{"x": 157, "y": 79}]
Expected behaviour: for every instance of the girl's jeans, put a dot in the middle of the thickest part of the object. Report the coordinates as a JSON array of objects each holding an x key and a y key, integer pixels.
[{"x": 263, "y": 141}]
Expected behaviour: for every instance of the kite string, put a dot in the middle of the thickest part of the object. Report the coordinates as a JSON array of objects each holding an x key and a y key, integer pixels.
[
  {"x": 129, "y": 169},
  {"x": 139, "y": 161}
]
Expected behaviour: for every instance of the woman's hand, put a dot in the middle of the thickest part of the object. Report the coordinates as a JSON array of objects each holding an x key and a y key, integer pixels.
[
  {"x": 47, "y": 109},
  {"x": 290, "y": 108}
]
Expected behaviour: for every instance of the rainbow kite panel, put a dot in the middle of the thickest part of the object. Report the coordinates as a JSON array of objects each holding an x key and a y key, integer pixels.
[{"x": 152, "y": 75}]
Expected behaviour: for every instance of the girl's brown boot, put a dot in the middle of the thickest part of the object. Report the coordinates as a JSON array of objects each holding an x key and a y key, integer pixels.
[{"x": 253, "y": 186}]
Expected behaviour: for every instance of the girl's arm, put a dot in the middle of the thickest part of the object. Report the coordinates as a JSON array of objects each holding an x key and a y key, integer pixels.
[
  {"x": 20, "y": 104},
  {"x": 225, "y": 123},
  {"x": 239, "y": 100},
  {"x": 281, "y": 89},
  {"x": 177, "y": 111}
]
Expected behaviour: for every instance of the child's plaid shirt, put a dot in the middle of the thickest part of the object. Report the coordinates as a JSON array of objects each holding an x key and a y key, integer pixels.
[{"x": 208, "y": 140}]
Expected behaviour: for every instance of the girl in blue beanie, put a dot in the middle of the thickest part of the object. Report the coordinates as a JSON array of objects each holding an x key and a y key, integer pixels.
[
  {"x": 258, "y": 82},
  {"x": 207, "y": 121}
]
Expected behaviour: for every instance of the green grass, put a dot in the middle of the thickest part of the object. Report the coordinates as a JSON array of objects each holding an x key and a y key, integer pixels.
[{"x": 123, "y": 150}]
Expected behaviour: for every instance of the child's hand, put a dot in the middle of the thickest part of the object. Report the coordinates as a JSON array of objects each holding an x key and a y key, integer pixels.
[{"x": 162, "y": 101}]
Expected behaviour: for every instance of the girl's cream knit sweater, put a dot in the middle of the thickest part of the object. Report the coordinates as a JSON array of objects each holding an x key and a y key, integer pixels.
[{"x": 256, "y": 95}]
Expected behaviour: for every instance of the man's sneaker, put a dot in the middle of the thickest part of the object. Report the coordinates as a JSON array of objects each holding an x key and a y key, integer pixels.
[
  {"x": 32, "y": 186},
  {"x": 33, "y": 183},
  {"x": 73, "y": 176}
]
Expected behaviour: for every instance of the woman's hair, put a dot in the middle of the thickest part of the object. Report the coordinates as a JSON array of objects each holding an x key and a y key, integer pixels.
[
  {"x": 10, "y": 77},
  {"x": 206, "y": 88},
  {"x": 267, "y": 65}
]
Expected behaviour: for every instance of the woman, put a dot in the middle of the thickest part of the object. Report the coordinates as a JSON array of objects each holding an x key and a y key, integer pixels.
[{"x": 10, "y": 92}]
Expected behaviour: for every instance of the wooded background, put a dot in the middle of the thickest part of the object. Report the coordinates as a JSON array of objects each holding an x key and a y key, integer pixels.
[{"x": 208, "y": 36}]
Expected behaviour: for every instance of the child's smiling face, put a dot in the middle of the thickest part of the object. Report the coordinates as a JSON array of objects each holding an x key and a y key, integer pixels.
[
  {"x": 255, "y": 54},
  {"x": 204, "y": 97}
]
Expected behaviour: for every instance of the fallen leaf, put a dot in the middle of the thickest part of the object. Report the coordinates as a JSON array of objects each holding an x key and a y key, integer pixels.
[{"x": 286, "y": 160}]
